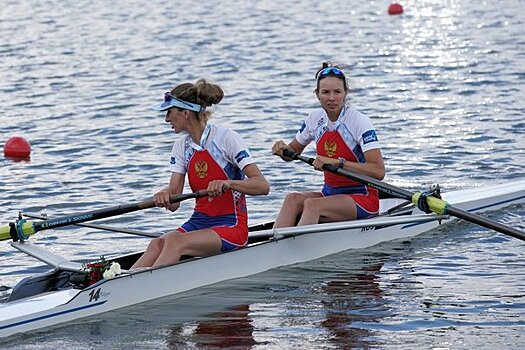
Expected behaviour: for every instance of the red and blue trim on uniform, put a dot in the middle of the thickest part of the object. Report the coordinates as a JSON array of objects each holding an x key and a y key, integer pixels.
[
  {"x": 331, "y": 144},
  {"x": 227, "y": 214}
]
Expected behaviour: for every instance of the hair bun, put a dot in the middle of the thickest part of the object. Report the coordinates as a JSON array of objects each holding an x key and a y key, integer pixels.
[{"x": 208, "y": 93}]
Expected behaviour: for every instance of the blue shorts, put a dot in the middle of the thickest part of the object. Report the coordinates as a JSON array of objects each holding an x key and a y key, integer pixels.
[
  {"x": 233, "y": 234},
  {"x": 366, "y": 199}
]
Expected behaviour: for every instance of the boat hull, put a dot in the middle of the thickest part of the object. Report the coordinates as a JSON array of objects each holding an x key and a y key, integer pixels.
[{"x": 289, "y": 246}]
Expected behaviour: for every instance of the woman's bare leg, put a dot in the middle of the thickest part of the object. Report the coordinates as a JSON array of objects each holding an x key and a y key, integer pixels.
[
  {"x": 292, "y": 207},
  {"x": 328, "y": 209},
  {"x": 195, "y": 243},
  {"x": 151, "y": 254}
]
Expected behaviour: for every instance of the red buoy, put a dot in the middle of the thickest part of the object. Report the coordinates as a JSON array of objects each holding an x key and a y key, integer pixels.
[
  {"x": 395, "y": 9},
  {"x": 17, "y": 147}
]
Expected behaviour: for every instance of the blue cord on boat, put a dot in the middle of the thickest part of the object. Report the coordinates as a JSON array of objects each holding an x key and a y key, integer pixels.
[
  {"x": 20, "y": 229},
  {"x": 422, "y": 203}
]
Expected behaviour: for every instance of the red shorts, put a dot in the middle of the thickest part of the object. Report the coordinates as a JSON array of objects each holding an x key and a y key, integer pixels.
[
  {"x": 366, "y": 205},
  {"x": 232, "y": 237}
]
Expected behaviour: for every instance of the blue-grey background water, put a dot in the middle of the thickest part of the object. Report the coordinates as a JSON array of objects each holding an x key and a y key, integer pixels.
[{"x": 443, "y": 83}]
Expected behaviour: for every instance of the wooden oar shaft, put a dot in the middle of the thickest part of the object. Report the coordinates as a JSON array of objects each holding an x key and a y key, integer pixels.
[
  {"x": 29, "y": 228},
  {"x": 435, "y": 204}
]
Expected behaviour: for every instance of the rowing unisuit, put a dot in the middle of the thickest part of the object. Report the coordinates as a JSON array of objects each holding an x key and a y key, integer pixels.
[
  {"x": 349, "y": 137},
  {"x": 221, "y": 155}
]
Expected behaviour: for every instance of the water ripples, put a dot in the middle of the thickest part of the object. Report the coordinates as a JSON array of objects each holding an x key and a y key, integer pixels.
[{"x": 443, "y": 84}]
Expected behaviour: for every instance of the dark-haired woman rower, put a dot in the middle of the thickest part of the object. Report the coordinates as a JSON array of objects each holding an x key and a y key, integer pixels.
[{"x": 344, "y": 137}]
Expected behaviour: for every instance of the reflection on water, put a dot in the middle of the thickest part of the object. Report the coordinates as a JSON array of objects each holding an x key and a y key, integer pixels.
[
  {"x": 230, "y": 329},
  {"x": 350, "y": 301},
  {"x": 371, "y": 299},
  {"x": 346, "y": 302},
  {"x": 443, "y": 84}
]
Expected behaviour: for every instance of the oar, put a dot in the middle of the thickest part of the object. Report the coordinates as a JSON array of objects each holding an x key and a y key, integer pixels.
[
  {"x": 434, "y": 204},
  {"x": 22, "y": 229},
  {"x": 100, "y": 227}
]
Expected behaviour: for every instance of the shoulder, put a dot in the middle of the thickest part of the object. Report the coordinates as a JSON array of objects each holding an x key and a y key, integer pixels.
[
  {"x": 315, "y": 118},
  {"x": 317, "y": 114},
  {"x": 180, "y": 143},
  {"x": 224, "y": 134},
  {"x": 353, "y": 114},
  {"x": 356, "y": 119},
  {"x": 233, "y": 147},
  {"x": 228, "y": 140},
  {"x": 361, "y": 126}
]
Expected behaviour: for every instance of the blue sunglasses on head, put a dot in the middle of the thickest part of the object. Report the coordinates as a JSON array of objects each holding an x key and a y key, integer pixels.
[
  {"x": 330, "y": 71},
  {"x": 171, "y": 101}
]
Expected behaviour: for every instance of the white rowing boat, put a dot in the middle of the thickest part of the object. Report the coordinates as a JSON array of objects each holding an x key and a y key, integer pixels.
[{"x": 53, "y": 298}]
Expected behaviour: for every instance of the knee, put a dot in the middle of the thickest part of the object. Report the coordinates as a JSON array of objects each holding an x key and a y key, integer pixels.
[
  {"x": 311, "y": 204},
  {"x": 294, "y": 198},
  {"x": 172, "y": 241},
  {"x": 155, "y": 245}
]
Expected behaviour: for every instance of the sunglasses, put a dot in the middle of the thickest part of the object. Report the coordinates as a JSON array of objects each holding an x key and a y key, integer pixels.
[
  {"x": 172, "y": 101},
  {"x": 334, "y": 71}
]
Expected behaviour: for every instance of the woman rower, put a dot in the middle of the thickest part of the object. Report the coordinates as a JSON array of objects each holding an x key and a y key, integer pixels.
[
  {"x": 214, "y": 158},
  {"x": 345, "y": 138}
]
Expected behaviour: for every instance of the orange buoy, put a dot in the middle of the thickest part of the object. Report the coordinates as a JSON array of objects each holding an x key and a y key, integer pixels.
[
  {"x": 395, "y": 9},
  {"x": 17, "y": 147}
]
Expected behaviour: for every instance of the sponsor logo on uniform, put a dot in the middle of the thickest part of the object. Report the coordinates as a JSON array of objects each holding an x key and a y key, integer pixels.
[
  {"x": 369, "y": 136},
  {"x": 172, "y": 160},
  {"x": 241, "y": 155},
  {"x": 201, "y": 168},
  {"x": 330, "y": 147}
]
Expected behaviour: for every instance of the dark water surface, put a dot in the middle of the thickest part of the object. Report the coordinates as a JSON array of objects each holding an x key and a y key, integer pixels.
[{"x": 443, "y": 83}]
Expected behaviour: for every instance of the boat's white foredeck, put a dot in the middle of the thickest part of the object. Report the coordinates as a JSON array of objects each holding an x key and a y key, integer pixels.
[{"x": 34, "y": 305}]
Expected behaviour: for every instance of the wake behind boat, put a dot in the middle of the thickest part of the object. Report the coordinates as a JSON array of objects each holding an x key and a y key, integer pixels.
[{"x": 61, "y": 295}]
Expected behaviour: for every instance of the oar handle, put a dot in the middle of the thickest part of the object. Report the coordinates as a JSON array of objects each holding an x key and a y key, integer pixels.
[
  {"x": 22, "y": 229},
  {"x": 297, "y": 156},
  {"x": 182, "y": 197}
]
